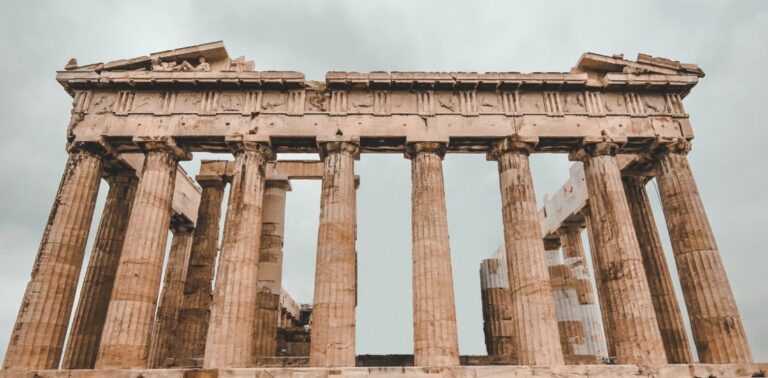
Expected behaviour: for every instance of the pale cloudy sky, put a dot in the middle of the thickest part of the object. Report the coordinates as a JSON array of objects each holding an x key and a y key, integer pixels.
[{"x": 727, "y": 39}]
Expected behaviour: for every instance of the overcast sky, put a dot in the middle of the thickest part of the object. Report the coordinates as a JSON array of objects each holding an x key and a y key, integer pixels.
[{"x": 727, "y": 39}]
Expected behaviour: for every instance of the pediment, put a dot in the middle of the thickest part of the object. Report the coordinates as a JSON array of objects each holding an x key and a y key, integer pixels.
[
  {"x": 205, "y": 57},
  {"x": 645, "y": 64}
]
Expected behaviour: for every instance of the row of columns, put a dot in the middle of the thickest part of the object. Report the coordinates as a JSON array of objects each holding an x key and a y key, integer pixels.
[{"x": 628, "y": 308}]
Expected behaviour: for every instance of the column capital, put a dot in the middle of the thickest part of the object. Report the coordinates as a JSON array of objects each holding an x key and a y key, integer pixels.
[
  {"x": 571, "y": 226},
  {"x": 120, "y": 176},
  {"x": 240, "y": 143},
  {"x": 677, "y": 146},
  {"x": 162, "y": 143},
  {"x": 414, "y": 148},
  {"x": 325, "y": 148},
  {"x": 590, "y": 150},
  {"x": 283, "y": 184},
  {"x": 98, "y": 147},
  {"x": 210, "y": 180},
  {"x": 637, "y": 180},
  {"x": 180, "y": 224},
  {"x": 510, "y": 144}
]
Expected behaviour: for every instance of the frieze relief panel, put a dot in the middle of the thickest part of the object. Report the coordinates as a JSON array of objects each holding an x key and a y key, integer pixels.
[
  {"x": 299, "y": 102},
  {"x": 232, "y": 102},
  {"x": 274, "y": 102}
]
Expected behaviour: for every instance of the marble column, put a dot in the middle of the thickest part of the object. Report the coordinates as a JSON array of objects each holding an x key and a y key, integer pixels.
[
  {"x": 564, "y": 295},
  {"x": 333, "y": 314},
  {"x": 575, "y": 259},
  {"x": 538, "y": 338},
  {"x": 657, "y": 272},
  {"x": 128, "y": 326},
  {"x": 85, "y": 334},
  {"x": 498, "y": 324},
  {"x": 229, "y": 342},
  {"x": 601, "y": 295},
  {"x": 625, "y": 293},
  {"x": 435, "y": 340},
  {"x": 715, "y": 321},
  {"x": 269, "y": 279},
  {"x": 37, "y": 338},
  {"x": 195, "y": 308},
  {"x": 164, "y": 342}
]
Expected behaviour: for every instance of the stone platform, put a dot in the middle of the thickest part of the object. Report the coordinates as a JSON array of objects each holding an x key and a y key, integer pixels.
[{"x": 613, "y": 371}]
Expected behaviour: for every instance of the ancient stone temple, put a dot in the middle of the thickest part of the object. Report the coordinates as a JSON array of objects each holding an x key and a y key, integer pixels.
[{"x": 216, "y": 307}]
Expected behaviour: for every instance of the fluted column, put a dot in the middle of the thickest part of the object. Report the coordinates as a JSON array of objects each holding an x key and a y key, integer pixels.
[
  {"x": 534, "y": 309},
  {"x": 601, "y": 294},
  {"x": 85, "y": 334},
  {"x": 498, "y": 323},
  {"x": 657, "y": 272},
  {"x": 435, "y": 340},
  {"x": 715, "y": 320},
  {"x": 333, "y": 313},
  {"x": 128, "y": 325},
  {"x": 574, "y": 258},
  {"x": 38, "y": 335},
  {"x": 166, "y": 320},
  {"x": 564, "y": 294},
  {"x": 229, "y": 342},
  {"x": 195, "y": 308},
  {"x": 270, "y": 268},
  {"x": 629, "y": 308}
]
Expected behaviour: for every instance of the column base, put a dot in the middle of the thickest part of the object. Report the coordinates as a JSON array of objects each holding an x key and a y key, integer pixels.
[{"x": 597, "y": 371}]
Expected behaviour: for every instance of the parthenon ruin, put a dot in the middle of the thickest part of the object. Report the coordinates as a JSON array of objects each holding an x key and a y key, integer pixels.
[{"x": 217, "y": 306}]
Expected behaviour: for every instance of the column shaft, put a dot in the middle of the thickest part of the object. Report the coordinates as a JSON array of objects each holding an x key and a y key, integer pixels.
[
  {"x": 230, "y": 334},
  {"x": 128, "y": 325},
  {"x": 574, "y": 258},
  {"x": 270, "y": 268},
  {"x": 38, "y": 335},
  {"x": 601, "y": 294},
  {"x": 333, "y": 314},
  {"x": 657, "y": 272},
  {"x": 629, "y": 308},
  {"x": 195, "y": 308},
  {"x": 715, "y": 322},
  {"x": 498, "y": 324},
  {"x": 538, "y": 339},
  {"x": 164, "y": 331},
  {"x": 434, "y": 311},
  {"x": 85, "y": 335}
]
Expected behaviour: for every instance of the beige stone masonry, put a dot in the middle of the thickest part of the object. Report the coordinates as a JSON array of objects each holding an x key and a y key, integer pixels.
[
  {"x": 435, "y": 339},
  {"x": 37, "y": 339},
  {"x": 657, "y": 272},
  {"x": 269, "y": 278},
  {"x": 498, "y": 322},
  {"x": 128, "y": 326},
  {"x": 575, "y": 260},
  {"x": 335, "y": 299},
  {"x": 624, "y": 291},
  {"x": 195, "y": 305},
  {"x": 85, "y": 335},
  {"x": 229, "y": 342},
  {"x": 265, "y": 328},
  {"x": 715, "y": 321},
  {"x": 165, "y": 327},
  {"x": 538, "y": 340}
]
